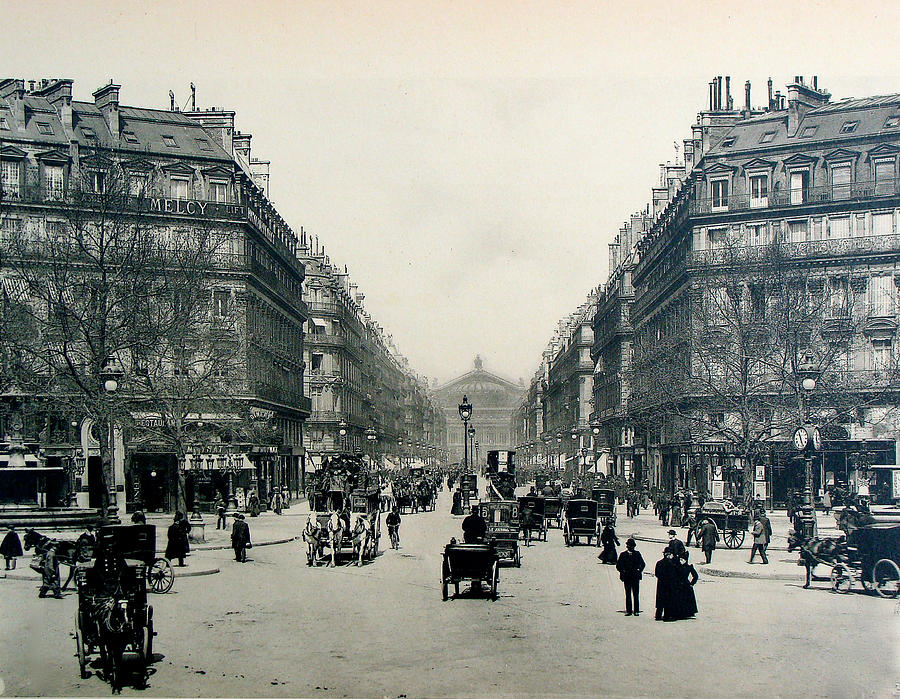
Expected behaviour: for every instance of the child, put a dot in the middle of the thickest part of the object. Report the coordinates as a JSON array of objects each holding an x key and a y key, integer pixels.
[{"x": 11, "y": 548}]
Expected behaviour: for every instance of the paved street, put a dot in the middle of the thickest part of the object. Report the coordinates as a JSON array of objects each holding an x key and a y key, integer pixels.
[{"x": 276, "y": 627}]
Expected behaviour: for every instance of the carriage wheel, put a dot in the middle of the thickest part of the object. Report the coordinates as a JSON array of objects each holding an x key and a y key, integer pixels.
[
  {"x": 495, "y": 578},
  {"x": 161, "y": 576},
  {"x": 886, "y": 576},
  {"x": 148, "y": 640},
  {"x": 734, "y": 538},
  {"x": 79, "y": 647},
  {"x": 841, "y": 580}
]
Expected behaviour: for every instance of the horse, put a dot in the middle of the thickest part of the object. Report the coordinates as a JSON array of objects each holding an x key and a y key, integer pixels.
[
  {"x": 68, "y": 553},
  {"x": 335, "y": 537},
  {"x": 815, "y": 550},
  {"x": 360, "y": 535},
  {"x": 315, "y": 539}
]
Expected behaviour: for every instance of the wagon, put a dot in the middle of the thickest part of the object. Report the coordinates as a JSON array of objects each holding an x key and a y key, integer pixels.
[
  {"x": 732, "y": 523},
  {"x": 502, "y": 520},
  {"x": 553, "y": 509},
  {"x": 873, "y": 557},
  {"x": 113, "y": 617},
  {"x": 478, "y": 563},
  {"x": 606, "y": 505},
  {"x": 580, "y": 520},
  {"x": 537, "y": 504}
]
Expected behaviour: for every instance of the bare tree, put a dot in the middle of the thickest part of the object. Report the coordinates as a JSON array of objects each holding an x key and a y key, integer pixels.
[{"x": 101, "y": 282}]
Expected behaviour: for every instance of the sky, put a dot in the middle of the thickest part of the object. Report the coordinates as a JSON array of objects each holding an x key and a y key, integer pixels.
[{"x": 468, "y": 162}]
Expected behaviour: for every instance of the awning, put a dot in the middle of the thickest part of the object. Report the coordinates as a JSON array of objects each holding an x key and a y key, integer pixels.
[
  {"x": 30, "y": 469},
  {"x": 889, "y": 467}
]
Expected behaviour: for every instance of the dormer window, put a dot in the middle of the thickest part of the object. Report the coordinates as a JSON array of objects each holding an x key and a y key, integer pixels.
[
  {"x": 4, "y": 124},
  {"x": 719, "y": 191},
  {"x": 729, "y": 142},
  {"x": 180, "y": 187},
  {"x": 767, "y": 137},
  {"x": 849, "y": 126},
  {"x": 203, "y": 144},
  {"x": 808, "y": 131},
  {"x": 169, "y": 141},
  {"x": 44, "y": 128},
  {"x": 130, "y": 136},
  {"x": 892, "y": 122},
  {"x": 88, "y": 134}
]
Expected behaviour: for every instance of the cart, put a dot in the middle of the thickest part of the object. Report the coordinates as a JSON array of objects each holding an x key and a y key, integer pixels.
[
  {"x": 553, "y": 509},
  {"x": 478, "y": 563},
  {"x": 606, "y": 505},
  {"x": 580, "y": 520},
  {"x": 113, "y": 617},
  {"x": 502, "y": 520},
  {"x": 537, "y": 505},
  {"x": 873, "y": 558},
  {"x": 732, "y": 523}
]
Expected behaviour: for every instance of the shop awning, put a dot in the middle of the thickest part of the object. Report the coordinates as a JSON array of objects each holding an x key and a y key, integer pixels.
[
  {"x": 30, "y": 469},
  {"x": 891, "y": 467}
]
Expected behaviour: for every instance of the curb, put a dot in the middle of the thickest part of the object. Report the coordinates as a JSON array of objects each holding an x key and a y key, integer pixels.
[
  {"x": 222, "y": 547},
  {"x": 653, "y": 540},
  {"x": 718, "y": 573},
  {"x": 187, "y": 574}
]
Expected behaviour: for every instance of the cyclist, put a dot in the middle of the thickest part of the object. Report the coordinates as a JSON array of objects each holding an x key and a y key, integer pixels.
[{"x": 393, "y": 525}]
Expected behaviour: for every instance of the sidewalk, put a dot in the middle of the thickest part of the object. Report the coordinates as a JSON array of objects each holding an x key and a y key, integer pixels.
[
  {"x": 731, "y": 562},
  {"x": 266, "y": 530}
]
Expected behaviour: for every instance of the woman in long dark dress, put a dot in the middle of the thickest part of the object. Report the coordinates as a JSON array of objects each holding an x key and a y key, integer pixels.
[
  {"x": 609, "y": 540},
  {"x": 177, "y": 544},
  {"x": 685, "y": 602}
]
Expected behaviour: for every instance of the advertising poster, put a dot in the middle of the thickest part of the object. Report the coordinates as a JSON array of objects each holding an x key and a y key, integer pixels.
[{"x": 718, "y": 490}]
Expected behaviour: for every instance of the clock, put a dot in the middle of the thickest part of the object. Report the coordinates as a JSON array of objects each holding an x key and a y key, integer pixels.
[
  {"x": 801, "y": 438},
  {"x": 816, "y": 438}
]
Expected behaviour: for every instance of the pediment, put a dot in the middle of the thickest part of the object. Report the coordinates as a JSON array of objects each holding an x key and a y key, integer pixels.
[
  {"x": 96, "y": 162},
  {"x": 218, "y": 171},
  {"x": 719, "y": 169},
  {"x": 53, "y": 156},
  {"x": 842, "y": 154},
  {"x": 141, "y": 165},
  {"x": 883, "y": 149},
  {"x": 12, "y": 153},
  {"x": 798, "y": 160},
  {"x": 178, "y": 169},
  {"x": 758, "y": 164}
]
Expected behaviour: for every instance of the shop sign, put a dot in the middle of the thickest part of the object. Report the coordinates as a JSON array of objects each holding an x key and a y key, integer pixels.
[{"x": 895, "y": 483}]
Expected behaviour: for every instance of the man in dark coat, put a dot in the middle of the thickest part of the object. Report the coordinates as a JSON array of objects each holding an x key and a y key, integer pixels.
[
  {"x": 50, "y": 574},
  {"x": 11, "y": 548},
  {"x": 676, "y": 546},
  {"x": 177, "y": 545},
  {"x": 665, "y": 573},
  {"x": 527, "y": 524},
  {"x": 709, "y": 535},
  {"x": 474, "y": 527},
  {"x": 240, "y": 538},
  {"x": 630, "y": 566}
]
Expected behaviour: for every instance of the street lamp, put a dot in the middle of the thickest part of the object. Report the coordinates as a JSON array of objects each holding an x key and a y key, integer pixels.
[
  {"x": 110, "y": 376},
  {"x": 471, "y": 434},
  {"x": 559, "y": 451},
  {"x": 807, "y": 437},
  {"x": 342, "y": 431},
  {"x": 371, "y": 436},
  {"x": 465, "y": 414}
]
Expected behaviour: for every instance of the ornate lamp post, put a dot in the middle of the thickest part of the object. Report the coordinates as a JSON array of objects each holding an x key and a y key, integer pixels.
[
  {"x": 465, "y": 414},
  {"x": 595, "y": 432},
  {"x": 342, "y": 431},
  {"x": 471, "y": 434},
  {"x": 110, "y": 376},
  {"x": 559, "y": 451},
  {"x": 371, "y": 437},
  {"x": 807, "y": 438}
]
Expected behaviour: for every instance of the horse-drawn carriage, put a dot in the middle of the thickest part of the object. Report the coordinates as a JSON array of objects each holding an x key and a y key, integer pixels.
[
  {"x": 606, "y": 505},
  {"x": 553, "y": 511},
  {"x": 580, "y": 520},
  {"x": 537, "y": 505},
  {"x": 479, "y": 563},
  {"x": 113, "y": 618},
  {"x": 731, "y": 522},
  {"x": 502, "y": 520}
]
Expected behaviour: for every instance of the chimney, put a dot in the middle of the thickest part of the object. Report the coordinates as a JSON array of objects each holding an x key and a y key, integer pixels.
[
  {"x": 171, "y": 101},
  {"x": 802, "y": 98},
  {"x": 106, "y": 99},
  {"x": 719, "y": 93},
  {"x": 770, "y": 94},
  {"x": 747, "y": 96},
  {"x": 259, "y": 170},
  {"x": 58, "y": 93},
  {"x": 712, "y": 95},
  {"x": 14, "y": 90},
  {"x": 729, "y": 105},
  {"x": 241, "y": 143}
]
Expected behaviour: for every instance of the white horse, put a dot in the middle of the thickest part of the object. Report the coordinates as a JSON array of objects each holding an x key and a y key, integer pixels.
[
  {"x": 361, "y": 533},
  {"x": 335, "y": 529}
]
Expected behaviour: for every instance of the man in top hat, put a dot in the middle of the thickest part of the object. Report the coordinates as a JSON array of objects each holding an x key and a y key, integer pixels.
[{"x": 240, "y": 538}]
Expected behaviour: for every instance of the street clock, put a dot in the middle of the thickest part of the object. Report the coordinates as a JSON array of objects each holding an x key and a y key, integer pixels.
[
  {"x": 801, "y": 438},
  {"x": 815, "y": 438},
  {"x": 807, "y": 436}
]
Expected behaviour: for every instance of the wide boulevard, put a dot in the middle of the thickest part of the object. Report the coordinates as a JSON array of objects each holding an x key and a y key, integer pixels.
[{"x": 275, "y": 627}]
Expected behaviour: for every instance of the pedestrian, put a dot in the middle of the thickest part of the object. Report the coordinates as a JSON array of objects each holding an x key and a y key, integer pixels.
[
  {"x": 663, "y": 506},
  {"x": 240, "y": 538},
  {"x": 253, "y": 504},
  {"x": 177, "y": 544},
  {"x": 50, "y": 573},
  {"x": 665, "y": 574},
  {"x": 11, "y": 548},
  {"x": 527, "y": 524},
  {"x": 221, "y": 522},
  {"x": 676, "y": 546},
  {"x": 276, "y": 502},
  {"x": 138, "y": 517},
  {"x": 630, "y": 566},
  {"x": 609, "y": 541},
  {"x": 708, "y": 536},
  {"x": 684, "y": 602},
  {"x": 762, "y": 534}
]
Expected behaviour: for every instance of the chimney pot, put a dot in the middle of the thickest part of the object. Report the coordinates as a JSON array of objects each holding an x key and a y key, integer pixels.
[{"x": 747, "y": 95}]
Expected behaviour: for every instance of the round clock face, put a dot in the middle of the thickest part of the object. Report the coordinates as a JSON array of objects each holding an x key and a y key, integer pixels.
[
  {"x": 816, "y": 439},
  {"x": 801, "y": 438}
]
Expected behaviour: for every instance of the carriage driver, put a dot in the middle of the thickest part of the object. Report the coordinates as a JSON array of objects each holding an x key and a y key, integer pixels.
[{"x": 474, "y": 527}]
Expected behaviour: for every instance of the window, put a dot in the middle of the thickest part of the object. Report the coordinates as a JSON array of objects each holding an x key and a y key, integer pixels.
[
  {"x": 849, "y": 126},
  {"x": 839, "y": 227},
  {"x": 218, "y": 191},
  {"x": 808, "y": 131},
  {"x": 715, "y": 238},
  {"x": 759, "y": 191},
  {"x": 799, "y": 187},
  {"x": 54, "y": 184},
  {"x": 797, "y": 231},
  {"x": 840, "y": 182},
  {"x": 130, "y": 136},
  {"x": 137, "y": 184},
  {"x": 883, "y": 224},
  {"x": 179, "y": 188},
  {"x": 9, "y": 179},
  {"x": 88, "y": 133},
  {"x": 97, "y": 181},
  {"x": 767, "y": 137},
  {"x": 757, "y": 233},
  {"x": 884, "y": 177},
  {"x": 203, "y": 144},
  {"x": 316, "y": 363},
  {"x": 881, "y": 355},
  {"x": 757, "y": 303},
  {"x": 45, "y": 128},
  {"x": 169, "y": 141},
  {"x": 892, "y": 122},
  {"x": 838, "y": 299},
  {"x": 220, "y": 303},
  {"x": 4, "y": 124},
  {"x": 729, "y": 142},
  {"x": 816, "y": 229},
  {"x": 881, "y": 295},
  {"x": 719, "y": 194}
]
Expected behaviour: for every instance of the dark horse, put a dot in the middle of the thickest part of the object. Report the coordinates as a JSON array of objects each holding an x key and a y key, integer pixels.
[
  {"x": 67, "y": 552},
  {"x": 814, "y": 550}
]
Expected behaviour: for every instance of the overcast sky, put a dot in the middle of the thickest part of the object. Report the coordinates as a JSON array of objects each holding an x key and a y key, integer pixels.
[{"x": 468, "y": 161}]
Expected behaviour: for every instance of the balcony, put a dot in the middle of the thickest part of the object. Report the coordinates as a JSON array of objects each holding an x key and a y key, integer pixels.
[
  {"x": 854, "y": 192},
  {"x": 835, "y": 247},
  {"x": 325, "y": 340},
  {"x": 325, "y": 307}
]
